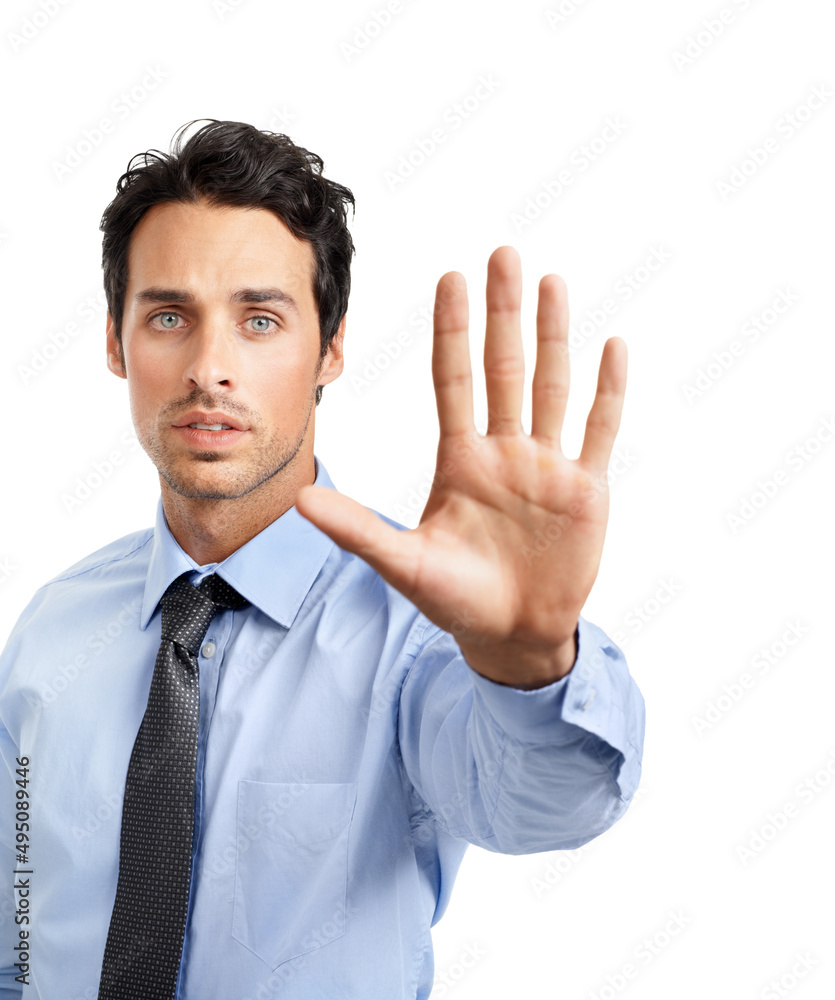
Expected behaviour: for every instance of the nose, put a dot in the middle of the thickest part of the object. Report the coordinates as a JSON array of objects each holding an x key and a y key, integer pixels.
[{"x": 210, "y": 360}]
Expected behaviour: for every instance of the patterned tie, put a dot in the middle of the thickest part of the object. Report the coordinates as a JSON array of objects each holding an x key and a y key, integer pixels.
[{"x": 145, "y": 939}]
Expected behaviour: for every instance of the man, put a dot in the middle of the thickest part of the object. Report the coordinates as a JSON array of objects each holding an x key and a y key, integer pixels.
[{"x": 287, "y": 716}]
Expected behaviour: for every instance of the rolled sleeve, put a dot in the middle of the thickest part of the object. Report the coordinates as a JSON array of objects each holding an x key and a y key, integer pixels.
[
  {"x": 598, "y": 695},
  {"x": 518, "y": 771}
]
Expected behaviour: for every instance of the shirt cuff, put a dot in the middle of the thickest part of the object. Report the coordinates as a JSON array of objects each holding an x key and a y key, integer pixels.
[{"x": 597, "y": 695}]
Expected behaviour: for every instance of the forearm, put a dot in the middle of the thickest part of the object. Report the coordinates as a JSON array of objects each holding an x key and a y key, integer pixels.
[{"x": 519, "y": 771}]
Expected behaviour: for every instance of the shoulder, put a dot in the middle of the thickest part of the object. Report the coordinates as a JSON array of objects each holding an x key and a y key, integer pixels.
[
  {"x": 97, "y": 577},
  {"x": 108, "y": 555}
]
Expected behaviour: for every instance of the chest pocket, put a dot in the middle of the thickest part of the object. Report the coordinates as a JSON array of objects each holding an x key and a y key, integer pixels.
[{"x": 291, "y": 872}]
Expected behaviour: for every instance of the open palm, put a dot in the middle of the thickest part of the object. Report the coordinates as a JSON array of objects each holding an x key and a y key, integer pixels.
[{"x": 509, "y": 543}]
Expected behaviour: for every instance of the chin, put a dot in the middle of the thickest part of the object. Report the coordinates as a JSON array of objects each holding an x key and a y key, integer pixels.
[
  {"x": 204, "y": 487},
  {"x": 206, "y": 492}
]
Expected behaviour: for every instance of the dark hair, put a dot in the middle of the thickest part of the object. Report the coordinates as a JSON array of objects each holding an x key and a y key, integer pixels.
[{"x": 234, "y": 164}]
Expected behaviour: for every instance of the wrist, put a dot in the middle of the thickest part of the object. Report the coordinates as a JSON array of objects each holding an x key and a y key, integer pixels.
[{"x": 523, "y": 665}]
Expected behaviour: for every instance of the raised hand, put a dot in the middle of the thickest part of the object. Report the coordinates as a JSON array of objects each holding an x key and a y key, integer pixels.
[{"x": 509, "y": 543}]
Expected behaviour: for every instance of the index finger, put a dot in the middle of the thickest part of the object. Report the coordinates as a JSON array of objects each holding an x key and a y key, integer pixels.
[{"x": 451, "y": 371}]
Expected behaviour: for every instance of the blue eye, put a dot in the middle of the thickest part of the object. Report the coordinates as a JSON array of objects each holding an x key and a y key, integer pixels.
[
  {"x": 172, "y": 315},
  {"x": 163, "y": 318}
]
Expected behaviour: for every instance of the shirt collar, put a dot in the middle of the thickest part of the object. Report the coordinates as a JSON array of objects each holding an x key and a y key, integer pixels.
[{"x": 274, "y": 570}]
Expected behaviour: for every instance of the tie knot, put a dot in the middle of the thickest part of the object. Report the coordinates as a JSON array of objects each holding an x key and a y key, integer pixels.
[
  {"x": 187, "y": 611},
  {"x": 221, "y": 593}
]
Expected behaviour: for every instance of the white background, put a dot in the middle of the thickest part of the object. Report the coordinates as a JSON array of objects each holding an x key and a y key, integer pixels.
[{"x": 694, "y": 101}]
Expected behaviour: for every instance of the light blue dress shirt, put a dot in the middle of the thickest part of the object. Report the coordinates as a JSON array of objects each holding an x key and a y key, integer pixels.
[{"x": 347, "y": 755}]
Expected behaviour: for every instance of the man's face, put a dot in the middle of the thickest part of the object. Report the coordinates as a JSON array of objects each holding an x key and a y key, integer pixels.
[{"x": 220, "y": 357}]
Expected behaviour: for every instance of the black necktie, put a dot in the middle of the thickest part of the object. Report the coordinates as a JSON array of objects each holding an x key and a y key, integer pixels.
[{"x": 145, "y": 939}]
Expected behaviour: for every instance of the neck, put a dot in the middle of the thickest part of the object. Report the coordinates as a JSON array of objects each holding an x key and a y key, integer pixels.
[{"x": 211, "y": 530}]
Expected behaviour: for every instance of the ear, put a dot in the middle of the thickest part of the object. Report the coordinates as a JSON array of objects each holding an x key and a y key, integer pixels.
[
  {"x": 114, "y": 353},
  {"x": 333, "y": 362}
]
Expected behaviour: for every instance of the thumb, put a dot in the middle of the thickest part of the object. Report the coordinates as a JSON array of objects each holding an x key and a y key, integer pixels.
[{"x": 357, "y": 529}]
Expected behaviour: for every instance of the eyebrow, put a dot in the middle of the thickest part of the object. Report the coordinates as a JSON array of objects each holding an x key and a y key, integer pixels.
[{"x": 242, "y": 295}]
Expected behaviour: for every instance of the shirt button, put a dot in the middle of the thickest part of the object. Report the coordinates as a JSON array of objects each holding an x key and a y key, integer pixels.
[{"x": 209, "y": 650}]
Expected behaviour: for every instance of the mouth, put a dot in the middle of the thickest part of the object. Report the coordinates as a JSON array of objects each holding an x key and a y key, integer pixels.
[
  {"x": 214, "y": 421},
  {"x": 209, "y": 430}
]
